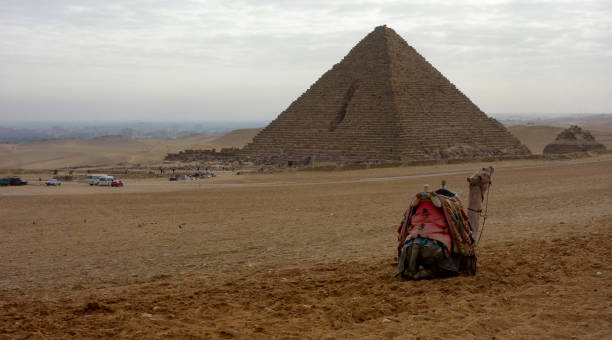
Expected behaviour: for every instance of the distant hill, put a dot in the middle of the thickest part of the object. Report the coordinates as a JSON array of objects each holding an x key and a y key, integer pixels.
[
  {"x": 239, "y": 137},
  {"x": 535, "y": 137},
  {"x": 110, "y": 150}
]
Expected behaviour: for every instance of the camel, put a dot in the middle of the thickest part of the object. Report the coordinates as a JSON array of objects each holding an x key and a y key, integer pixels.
[
  {"x": 480, "y": 182},
  {"x": 437, "y": 238}
]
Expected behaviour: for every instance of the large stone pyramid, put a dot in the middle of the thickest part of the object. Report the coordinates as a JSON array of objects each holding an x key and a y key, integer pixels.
[{"x": 382, "y": 102}]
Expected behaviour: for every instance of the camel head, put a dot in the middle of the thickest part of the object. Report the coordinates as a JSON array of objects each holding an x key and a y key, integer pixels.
[{"x": 481, "y": 179}]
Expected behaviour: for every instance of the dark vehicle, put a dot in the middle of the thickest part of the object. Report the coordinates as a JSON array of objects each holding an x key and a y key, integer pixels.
[
  {"x": 17, "y": 181},
  {"x": 116, "y": 183},
  {"x": 4, "y": 182},
  {"x": 173, "y": 178}
]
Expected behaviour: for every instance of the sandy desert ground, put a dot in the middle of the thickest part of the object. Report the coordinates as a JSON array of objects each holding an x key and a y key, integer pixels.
[{"x": 304, "y": 255}]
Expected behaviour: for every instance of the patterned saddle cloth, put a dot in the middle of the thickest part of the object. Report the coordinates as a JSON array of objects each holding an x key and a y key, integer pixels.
[{"x": 456, "y": 219}]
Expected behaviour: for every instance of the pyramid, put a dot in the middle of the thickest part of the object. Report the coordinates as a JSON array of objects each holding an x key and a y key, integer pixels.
[
  {"x": 574, "y": 139},
  {"x": 382, "y": 102}
]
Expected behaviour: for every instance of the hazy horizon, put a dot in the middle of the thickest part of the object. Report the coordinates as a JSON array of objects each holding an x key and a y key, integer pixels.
[
  {"x": 253, "y": 123},
  {"x": 70, "y": 60}
]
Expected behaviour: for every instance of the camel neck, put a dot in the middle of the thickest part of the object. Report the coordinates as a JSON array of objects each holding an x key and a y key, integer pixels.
[{"x": 475, "y": 207}]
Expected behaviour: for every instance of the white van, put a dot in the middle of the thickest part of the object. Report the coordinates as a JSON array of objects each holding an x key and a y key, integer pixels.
[
  {"x": 105, "y": 181},
  {"x": 92, "y": 179}
]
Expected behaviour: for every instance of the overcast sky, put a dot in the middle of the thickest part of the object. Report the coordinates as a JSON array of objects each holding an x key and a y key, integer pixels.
[{"x": 248, "y": 60}]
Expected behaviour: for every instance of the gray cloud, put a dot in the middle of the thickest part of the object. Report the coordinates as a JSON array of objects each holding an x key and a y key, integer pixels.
[{"x": 250, "y": 59}]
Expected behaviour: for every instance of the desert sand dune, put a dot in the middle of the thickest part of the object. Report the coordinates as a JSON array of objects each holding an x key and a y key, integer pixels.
[
  {"x": 238, "y": 137},
  {"x": 535, "y": 137},
  {"x": 71, "y": 152},
  {"x": 110, "y": 150}
]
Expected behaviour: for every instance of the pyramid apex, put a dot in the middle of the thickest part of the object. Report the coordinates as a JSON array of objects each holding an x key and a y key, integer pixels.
[{"x": 383, "y": 30}]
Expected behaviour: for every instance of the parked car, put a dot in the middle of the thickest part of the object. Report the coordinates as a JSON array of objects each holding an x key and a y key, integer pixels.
[
  {"x": 17, "y": 181},
  {"x": 53, "y": 182},
  {"x": 105, "y": 181},
  {"x": 116, "y": 183},
  {"x": 4, "y": 182}
]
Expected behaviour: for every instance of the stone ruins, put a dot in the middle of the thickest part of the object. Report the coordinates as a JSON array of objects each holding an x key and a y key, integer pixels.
[
  {"x": 382, "y": 103},
  {"x": 573, "y": 139}
]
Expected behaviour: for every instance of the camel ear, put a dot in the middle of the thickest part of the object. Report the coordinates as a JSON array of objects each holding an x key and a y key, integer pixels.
[{"x": 468, "y": 179}]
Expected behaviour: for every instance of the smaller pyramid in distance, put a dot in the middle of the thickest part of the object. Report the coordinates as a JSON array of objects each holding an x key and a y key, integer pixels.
[
  {"x": 382, "y": 102},
  {"x": 574, "y": 139}
]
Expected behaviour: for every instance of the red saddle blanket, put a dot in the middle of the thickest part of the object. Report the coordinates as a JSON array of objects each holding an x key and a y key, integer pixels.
[{"x": 438, "y": 218}]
